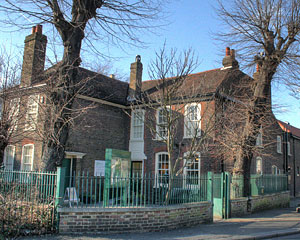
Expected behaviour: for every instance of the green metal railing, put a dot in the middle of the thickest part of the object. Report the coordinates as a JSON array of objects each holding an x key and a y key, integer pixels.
[
  {"x": 84, "y": 190},
  {"x": 27, "y": 200},
  {"x": 260, "y": 184}
]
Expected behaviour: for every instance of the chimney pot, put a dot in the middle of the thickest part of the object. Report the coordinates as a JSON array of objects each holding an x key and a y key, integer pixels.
[
  {"x": 257, "y": 68},
  {"x": 112, "y": 76},
  {"x": 227, "y": 52},
  {"x": 39, "y": 29},
  {"x": 232, "y": 53},
  {"x": 33, "y": 30}
]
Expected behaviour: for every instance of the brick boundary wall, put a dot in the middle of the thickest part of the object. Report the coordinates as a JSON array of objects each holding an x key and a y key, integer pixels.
[
  {"x": 120, "y": 220},
  {"x": 241, "y": 206}
]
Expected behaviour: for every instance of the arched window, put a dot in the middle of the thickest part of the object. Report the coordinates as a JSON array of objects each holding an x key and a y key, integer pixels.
[{"x": 27, "y": 157}]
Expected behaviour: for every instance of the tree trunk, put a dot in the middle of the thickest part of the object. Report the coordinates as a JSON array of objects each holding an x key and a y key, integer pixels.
[
  {"x": 258, "y": 107},
  {"x": 63, "y": 97}
]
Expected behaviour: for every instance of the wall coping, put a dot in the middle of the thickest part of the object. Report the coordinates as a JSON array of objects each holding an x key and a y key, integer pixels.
[
  {"x": 132, "y": 209},
  {"x": 259, "y": 196}
]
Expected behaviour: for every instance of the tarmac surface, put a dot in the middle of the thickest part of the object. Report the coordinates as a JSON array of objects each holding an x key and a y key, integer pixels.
[{"x": 273, "y": 224}]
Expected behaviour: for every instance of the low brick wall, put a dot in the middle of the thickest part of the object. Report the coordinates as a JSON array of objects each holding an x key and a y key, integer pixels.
[
  {"x": 117, "y": 220},
  {"x": 242, "y": 206}
]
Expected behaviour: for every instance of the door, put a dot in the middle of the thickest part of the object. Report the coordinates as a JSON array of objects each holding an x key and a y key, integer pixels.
[{"x": 221, "y": 194}]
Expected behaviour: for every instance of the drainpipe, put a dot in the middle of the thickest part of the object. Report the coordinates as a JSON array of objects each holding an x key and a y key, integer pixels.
[{"x": 294, "y": 162}]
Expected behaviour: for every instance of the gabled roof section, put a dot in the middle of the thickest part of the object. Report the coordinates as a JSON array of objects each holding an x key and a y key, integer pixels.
[{"x": 289, "y": 128}]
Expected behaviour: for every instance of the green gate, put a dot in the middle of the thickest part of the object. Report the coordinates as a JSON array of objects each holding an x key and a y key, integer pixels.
[{"x": 221, "y": 195}]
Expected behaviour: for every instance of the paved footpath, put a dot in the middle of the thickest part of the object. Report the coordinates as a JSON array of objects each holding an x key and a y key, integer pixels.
[{"x": 279, "y": 223}]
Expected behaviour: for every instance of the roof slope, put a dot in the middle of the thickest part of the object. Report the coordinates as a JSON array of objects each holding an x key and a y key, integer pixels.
[
  {"x": 201, "y": 83},
  {"x": 289, "y": 128}
]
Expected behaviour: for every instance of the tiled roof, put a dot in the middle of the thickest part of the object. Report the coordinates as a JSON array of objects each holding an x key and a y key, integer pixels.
[
  {"x": 289, "y": 128},
  {"x": 201, "y": 83}
]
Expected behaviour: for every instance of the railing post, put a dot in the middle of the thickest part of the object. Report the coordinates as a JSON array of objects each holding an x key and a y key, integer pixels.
[
  {"x": 60, "y": 185},
  {"x": 210, "y": 196}
]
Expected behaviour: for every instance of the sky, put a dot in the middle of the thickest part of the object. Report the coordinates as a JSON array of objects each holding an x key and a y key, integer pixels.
[{"x": 191, "y": 24}]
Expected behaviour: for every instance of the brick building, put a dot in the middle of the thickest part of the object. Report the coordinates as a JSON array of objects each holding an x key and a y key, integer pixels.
[
  {"x": 291, "y": 155},
  {"x": 108, "y": 123}
]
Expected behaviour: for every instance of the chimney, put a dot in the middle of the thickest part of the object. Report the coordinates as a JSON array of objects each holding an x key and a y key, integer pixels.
[
  {"x": 229, "y": 60},
  {"x": 34, "y": 56},
  {"x": 135, "y": 84}
]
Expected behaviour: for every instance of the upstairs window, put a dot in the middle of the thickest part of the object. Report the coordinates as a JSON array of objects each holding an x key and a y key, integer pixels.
[
  {"x": 14, "y": 113},
  {"x": 162, "y": 122},
  {"x": 289, "y": 148},
  {"x": 9, "y": 157},
  {"x": 137, "y": 125},
  {"x": 32, "y": 112},
  {"x": 27, "y": 157},
  {"x": 192, "y": 120},
  {"x": 279, "y": 144},
  {"x": 259, "y": 140}
]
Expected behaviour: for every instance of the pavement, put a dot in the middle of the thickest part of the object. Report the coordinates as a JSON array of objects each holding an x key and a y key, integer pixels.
[{"x": 273, "y": 224}]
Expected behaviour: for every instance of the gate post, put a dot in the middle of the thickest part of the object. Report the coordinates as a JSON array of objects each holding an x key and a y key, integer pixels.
[
  {"x": 60, "y": 185},
  {"x": 210, "y": 196}
]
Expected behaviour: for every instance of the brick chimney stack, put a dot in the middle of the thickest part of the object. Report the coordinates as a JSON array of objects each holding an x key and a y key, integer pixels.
[
  {"x": 135, "y": 84},
  {"x": 229, "y": 60},
  {"x": 34, "y": 56}
]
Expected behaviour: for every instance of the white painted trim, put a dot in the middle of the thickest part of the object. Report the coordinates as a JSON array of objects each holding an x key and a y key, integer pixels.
[
  {"x": 186, "y": 120},
  {"x": 4, "y": 156},
  {"x": 31, "y": 156},
  {"x": 77, "y": 155},
  {"x": 102, "y": 101},
  {"x": 131, "y": 125}
]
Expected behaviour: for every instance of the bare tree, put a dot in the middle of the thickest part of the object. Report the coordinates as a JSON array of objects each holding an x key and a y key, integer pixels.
[
  {"x": 271, "y": 28},
  {"x": 169, "y": 104},
  {"x": 73, "y": 20},
  {"x": 10, "y": 116}
]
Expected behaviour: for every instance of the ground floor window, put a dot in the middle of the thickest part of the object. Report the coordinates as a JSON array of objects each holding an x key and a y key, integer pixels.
[
  {"x": 258, "y": 165},
  {"x": 192, "y": 168},
  {"x": 162, "y": 167},
  {"x": 27, "y": 157},
  {"x": 9, "y": 157},
  {"x": 137, "y": 168}
]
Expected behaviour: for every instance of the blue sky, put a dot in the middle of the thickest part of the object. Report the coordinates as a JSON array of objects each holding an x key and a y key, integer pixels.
[{"x": 192, "y": 24}]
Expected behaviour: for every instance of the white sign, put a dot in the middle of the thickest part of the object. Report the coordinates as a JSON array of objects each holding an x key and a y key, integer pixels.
[{"x": 99, "y": 168}]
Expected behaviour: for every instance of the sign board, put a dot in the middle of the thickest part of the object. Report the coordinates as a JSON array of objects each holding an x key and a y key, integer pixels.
[
  {"x": 117, "y": 171},
  {"x": 99, "y": 169}
]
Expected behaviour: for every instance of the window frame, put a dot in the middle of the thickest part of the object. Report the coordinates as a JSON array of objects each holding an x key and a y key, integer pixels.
[
  {"x": 187, "y": 120},
  {"x": 186, "y": 170},
  {"x": 279, "y": 144},
  {"x": 157, "y": 169},
  {"x": 289, "y": 148},
  {"x": 141, "y": 125},
  {"x": 160, "y": 125},
  {"x": 5, "y": 157},
  {"x": 32, "y": 156},
  {"x": 32, "y": 116},
  {"x": 259, "y": 159},
  {"x": 277, "y": 170}
]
